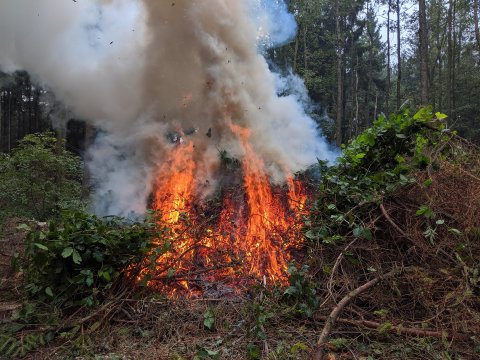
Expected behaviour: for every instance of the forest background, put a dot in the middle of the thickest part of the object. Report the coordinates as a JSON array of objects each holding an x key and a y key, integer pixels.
[{"x": 358, "y": 59}]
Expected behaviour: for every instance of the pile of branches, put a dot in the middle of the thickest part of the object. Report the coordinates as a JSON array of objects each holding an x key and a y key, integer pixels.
[{"x": 398, "y": 248}]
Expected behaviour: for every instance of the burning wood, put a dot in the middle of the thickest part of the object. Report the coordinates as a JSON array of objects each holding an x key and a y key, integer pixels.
[{"x": 250, "y": 237}]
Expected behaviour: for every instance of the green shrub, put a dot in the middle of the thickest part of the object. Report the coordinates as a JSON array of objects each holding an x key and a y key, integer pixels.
[
  {"x": 77, "y": 259},
  {"x": 39, "y": 178},
  {"x": 375, "y": 164}
]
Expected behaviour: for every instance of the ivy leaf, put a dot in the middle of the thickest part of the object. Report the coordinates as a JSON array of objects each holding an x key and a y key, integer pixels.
[
  {"x": 41, "y": 246},
  {"x": 67, "y": 252},
  {"x": 291, "y": 290},
  {"x": 77, "y": 259},
  {"x": 310, "y": 234},
  {"x": 363, "y": 233},
  {"x": 209, "y": 319},
  {"x": 425, "y": 211}
]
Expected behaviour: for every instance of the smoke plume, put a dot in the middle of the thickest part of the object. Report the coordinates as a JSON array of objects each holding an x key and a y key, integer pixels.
[{"x": 149, "y": 72}]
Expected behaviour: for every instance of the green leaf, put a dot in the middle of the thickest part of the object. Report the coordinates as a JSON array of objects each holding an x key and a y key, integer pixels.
[
  {"x": 428, "y": 183},
  {"x": 209, "y": 319},
  {"x": 310, "y": 234},
  {"x": 425, "y": 211},
  {"x": 253, "y": 352},
  {"x": 77, "y": 259},
  {"x": 41, "y": 246},
  {"x": 68, "y": 251},
  {"x": 384, "y": 327},
  {"x": 440, "y": 116},
  {"x": 455, "y": 231},
  {"x": 363, "y": 233},
  {"x": 298, "y": 347},
  {"x": 24, "y": 227},
  {"x": 49, "y": 291},
  {"x": 291, "y": 290},
  {"x": 171, "y": 273}
]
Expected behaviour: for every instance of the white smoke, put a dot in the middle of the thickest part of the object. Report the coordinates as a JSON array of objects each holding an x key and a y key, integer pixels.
[{"x": 141, "y": 69}]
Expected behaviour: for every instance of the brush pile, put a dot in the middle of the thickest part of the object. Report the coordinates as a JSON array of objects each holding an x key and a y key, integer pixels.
[{"x": 395, "y": 242}]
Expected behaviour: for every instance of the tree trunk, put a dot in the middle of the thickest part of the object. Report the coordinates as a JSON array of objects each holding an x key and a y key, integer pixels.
[
  {"x": 388, "y": 61},
  {"x": 450, "y": 61},
  {"x": 339, "y": 119},
  {"x": 295, "y": 55},
  {"x": 475, "y": 19},
  {"x": 399, "y": 57},
  {"x": 423, "y": 37},
  {"x": 9, "y": 132},
  {"x": 305, "y": 50}
]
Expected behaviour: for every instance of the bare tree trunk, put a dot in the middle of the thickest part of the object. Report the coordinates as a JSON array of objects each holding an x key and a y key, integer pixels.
[
  {"x": 450, "y": 56},
  {"x": 475, "y": 19},
  {"x": 423, "y": 37},
  {"x": 399, "y": 57},
  {"x": 339, "y": 119},
  {"x": 454, "y": 51},
  {"x": 89, "y": 135},
  {"x": 9, "y": 132},
  {"x": 2, "y": 97},
  {"x": 305, "y": 50},
  {"x": 295, "y": 56},
  {"x": 389, "y": 75},
  {"x": 357, "y": 109}
]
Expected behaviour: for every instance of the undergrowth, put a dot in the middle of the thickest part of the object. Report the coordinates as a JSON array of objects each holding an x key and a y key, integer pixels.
[{"x": 403, "y": 197}]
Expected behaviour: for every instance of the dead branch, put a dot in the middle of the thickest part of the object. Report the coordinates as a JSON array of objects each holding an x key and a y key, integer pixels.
[
  {"x": 334, "y": 270},
  {"x": 469, "y": 174},
  {"x": 400, "y": 330},
  {"x": 390, "y": 220},
  {"x": 330, "y": 322}
]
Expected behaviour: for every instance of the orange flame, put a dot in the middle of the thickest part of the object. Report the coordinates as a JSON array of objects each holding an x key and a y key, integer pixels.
[{"x": 253, "y": 231}]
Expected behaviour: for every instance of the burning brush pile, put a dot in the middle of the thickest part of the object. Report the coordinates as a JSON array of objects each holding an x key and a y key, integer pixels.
[
  {"x": 174, "y": 83},
  {"x": 250, "y": 232}
]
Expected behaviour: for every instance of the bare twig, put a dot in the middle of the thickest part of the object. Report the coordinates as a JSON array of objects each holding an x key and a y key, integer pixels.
[
  {"x": 334, "y": 270},
  {"x": 401, "y": 330},
  {"x": 390, "y": 220},
  {"x": 330, "y": 322}
]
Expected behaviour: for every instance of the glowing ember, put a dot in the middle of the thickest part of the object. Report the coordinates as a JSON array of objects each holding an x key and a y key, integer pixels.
[{"x": 249, "y": 237}]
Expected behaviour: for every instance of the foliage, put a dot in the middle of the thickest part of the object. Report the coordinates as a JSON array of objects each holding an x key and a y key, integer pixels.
[
  {"x": 209, "y": 319},
  {"x": 372, "y": 166},
  {"x": 39, "y": 178},
  {"x": 75, "y": 260},
  {"x": 301, "y": 291},
  {"x": 15, "y": 348}
]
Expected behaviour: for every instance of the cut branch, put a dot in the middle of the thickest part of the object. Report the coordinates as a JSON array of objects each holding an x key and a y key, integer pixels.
[
  {"x": 390, "y": 220},
  {"x": 401, "y": 330},
  {"x": 332, "y": 318}
]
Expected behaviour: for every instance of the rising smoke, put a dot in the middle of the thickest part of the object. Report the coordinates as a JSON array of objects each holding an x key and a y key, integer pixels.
[{"x": 147, "y": 71}]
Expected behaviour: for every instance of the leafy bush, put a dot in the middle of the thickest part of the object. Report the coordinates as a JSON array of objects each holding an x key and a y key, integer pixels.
[
  {"x": 74, "y": 261},
  {"x": 372, "y": 166},
  {"x": 301, "y": 291},
  {"x": 39, "y": 178}
]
